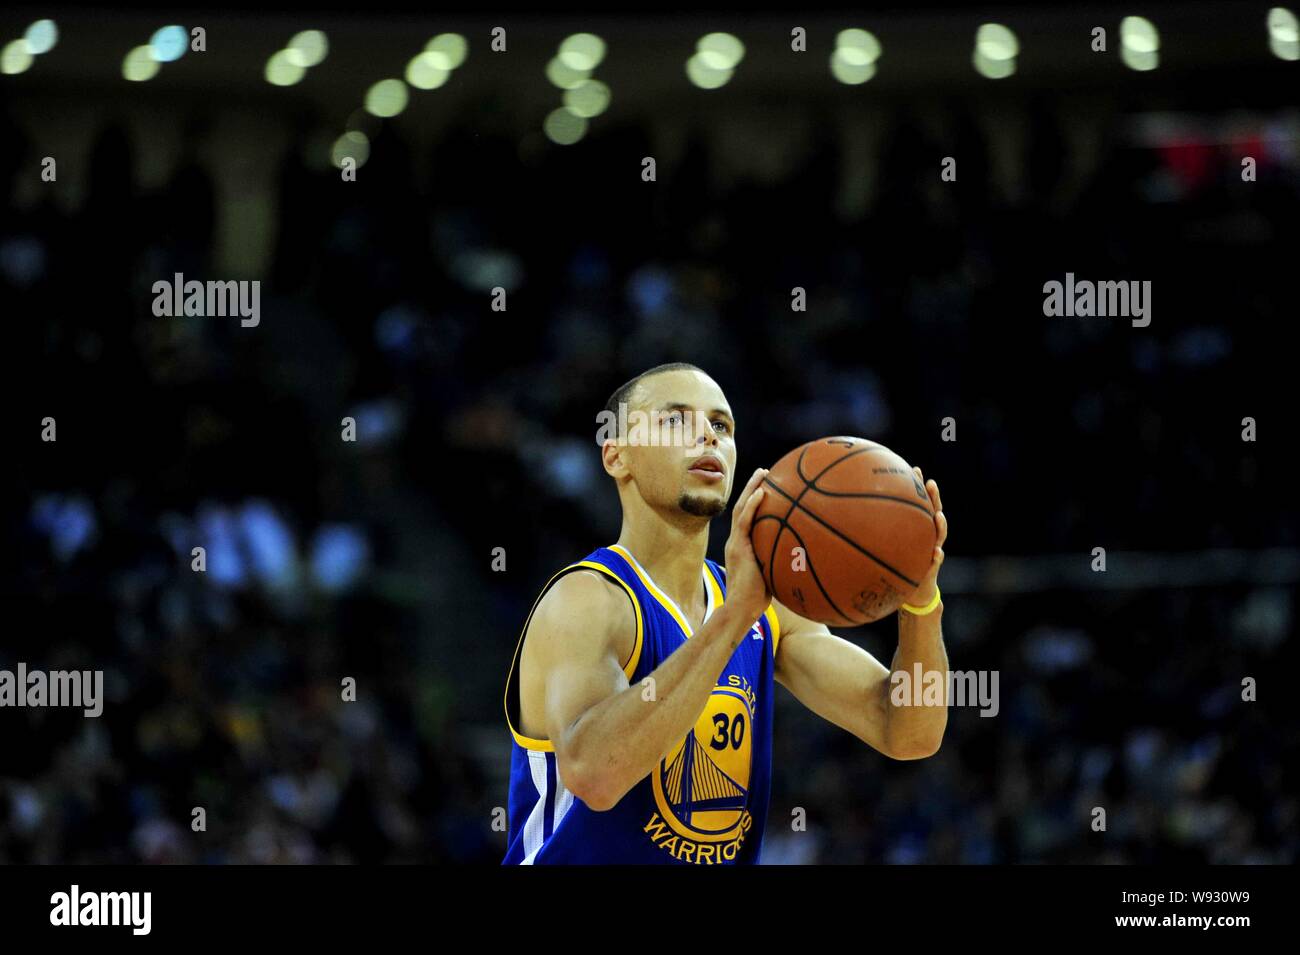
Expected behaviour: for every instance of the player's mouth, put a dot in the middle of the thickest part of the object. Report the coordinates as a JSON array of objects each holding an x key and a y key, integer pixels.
[{"x": 708, "y": 467}]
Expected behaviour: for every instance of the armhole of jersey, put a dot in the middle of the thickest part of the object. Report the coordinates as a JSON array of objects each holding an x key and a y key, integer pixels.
[{"x": 512, "y": 689}]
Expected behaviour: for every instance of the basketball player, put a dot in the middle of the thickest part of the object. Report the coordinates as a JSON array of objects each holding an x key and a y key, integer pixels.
[{"x": 640, "y": 695}]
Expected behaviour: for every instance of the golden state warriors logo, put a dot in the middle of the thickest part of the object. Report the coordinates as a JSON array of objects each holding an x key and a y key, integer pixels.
[{"x": 701, "y": 788}]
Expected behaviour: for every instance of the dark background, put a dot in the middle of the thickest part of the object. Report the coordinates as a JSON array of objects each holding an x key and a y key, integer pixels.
[{"x": 476, "y": 428}]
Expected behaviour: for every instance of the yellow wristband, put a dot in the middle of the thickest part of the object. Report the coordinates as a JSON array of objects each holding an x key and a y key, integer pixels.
[{"x": 928, "y": 608}]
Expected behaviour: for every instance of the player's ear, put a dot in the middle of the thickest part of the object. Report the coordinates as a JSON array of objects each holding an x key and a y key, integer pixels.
[{"x": 611, "y": 457}]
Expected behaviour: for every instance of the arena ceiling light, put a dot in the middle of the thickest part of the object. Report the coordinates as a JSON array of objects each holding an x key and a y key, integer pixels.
[
  {"x": 41, "y": 37},
  {"x": 582, "y": 52},
  {"x": 996, "y": 48},
  {"x": 715, "y": 60},
  {"x": 563, "y": 75},
  {"x": 168, "y": 44},
  {"x": 1283, "y": 34},
  {"x": 447, "y": 50},
  {"x": 281, "y": 70},
  {"x": 17, "y": 56},
  {"x": 387, "y": 98},
  {"x": 587, "y": 99},
  {"x": 425, "y": 71},
  {"x": 433, "y": 66},
  {"x": 1139, "y": 43},
  {"x": 307, "y": 48},
  {"x": 354, "y": 145},
  {"x": 288, "y": 66},
  {"x": 564, "y": 127},
  {"x": 854, "y": 59},
  {"x": 139, "y": 65}
]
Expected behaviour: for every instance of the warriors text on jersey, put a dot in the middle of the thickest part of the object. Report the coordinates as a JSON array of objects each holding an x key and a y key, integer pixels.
[{"x": 706, "y": 802}]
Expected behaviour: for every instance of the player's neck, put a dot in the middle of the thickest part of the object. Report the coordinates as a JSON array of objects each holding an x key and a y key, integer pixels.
[{"x": 670, "y": 553}]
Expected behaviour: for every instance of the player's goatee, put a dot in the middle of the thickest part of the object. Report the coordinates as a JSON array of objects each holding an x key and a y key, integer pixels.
[{"x": 701, "y": 506}]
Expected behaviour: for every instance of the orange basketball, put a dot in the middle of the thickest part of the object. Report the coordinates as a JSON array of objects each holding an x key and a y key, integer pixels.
[{"x": 845, "y": 531}]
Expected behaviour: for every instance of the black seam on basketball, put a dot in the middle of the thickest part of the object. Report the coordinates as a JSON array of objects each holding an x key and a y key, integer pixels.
[
  {"x": 798, "y": 467},
  {"x": 817, "y": 580},
  {"x": 848, "y": 540},
  {"x": 785, "y": 521},
  {"x": 882, "y": 497},
  {"x": 768, "y": 578}
]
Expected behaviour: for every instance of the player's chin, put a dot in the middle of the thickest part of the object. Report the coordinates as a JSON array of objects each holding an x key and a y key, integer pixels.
[{"x": 703, "y": 502}]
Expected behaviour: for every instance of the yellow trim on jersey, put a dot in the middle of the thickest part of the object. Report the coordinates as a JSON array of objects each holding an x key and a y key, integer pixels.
[
  {"x": 545, "y": 745},
  {"x": 715, "y": 587},
  {"x": 774, "y": 624},
  {"x": 664, "y": 600},
  {"x": 773, "y": 621}
]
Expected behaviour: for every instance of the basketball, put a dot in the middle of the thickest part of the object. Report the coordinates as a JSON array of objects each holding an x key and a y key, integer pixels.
[{"x": 845, "y": 531}]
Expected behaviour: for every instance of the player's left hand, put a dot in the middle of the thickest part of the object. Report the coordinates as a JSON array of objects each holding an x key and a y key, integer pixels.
[{"x": 924, "y": 593}]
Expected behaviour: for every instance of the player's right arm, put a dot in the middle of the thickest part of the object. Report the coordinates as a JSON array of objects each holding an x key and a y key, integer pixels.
[{"x": 608, "y": 736}]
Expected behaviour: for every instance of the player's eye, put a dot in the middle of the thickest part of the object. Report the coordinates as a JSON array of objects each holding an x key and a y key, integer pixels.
[
  {"x": 673, "y": 417},
  {"x": 722, "y": 426}
]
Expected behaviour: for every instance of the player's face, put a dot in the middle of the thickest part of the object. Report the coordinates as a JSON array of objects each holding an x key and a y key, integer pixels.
[{"x": 691, "y": 461}]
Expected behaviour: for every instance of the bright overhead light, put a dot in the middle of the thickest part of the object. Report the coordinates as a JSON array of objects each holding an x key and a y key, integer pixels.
[
  {"x": 424, "y": 73},
  {"x": 706, "y": 76},
  {"x": 139, "y": 65},
  {"x": 15, "y": 58},
  {"x": 41, "y": 37},
  {"x": 1139, "y": 35},
  {"x": 587, "y": 99},
  {"x": 387, "y": 98},
  {"x": 847, "y": 71},
  {"x": 448, "y": 49},
  {"x": 169, "y": 43},
  {"x": 720, "y": 51},
  {"x": 308, "y": 48},
  {"x": 993, "y": 41},
  {"x": 857, "y": 47},
  {"x": 564, "y": 128},
  {"x": 281, "y": 70},
  {"x": 582, "y": 51}
]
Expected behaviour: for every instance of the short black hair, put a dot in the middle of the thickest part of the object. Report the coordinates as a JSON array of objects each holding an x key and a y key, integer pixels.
[{"x": 621, "y": 393}]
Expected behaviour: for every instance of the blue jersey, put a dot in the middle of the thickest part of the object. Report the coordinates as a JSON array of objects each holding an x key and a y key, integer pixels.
[{"x": 706, "y": 801}]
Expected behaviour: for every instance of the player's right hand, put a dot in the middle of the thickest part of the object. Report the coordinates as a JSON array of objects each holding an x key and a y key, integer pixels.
[{"x": 746, "y": 589}]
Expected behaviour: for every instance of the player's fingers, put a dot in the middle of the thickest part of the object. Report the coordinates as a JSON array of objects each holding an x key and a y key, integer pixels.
[
  {"x": 938, "y": 557},
  {"x": 931, "y": 490},
  {"x": 747, "y": 514},
  {"x": 754, "y": 480},
  {"x": 744, "y": 493},
  {"x": 941, "y": 520}
]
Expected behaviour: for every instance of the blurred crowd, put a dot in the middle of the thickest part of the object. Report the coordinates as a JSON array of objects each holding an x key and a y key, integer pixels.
[{"x": 329, "y": 560}]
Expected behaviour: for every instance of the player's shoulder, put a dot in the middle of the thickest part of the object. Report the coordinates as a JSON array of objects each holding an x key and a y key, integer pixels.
[{"x": 587, "y": 599}]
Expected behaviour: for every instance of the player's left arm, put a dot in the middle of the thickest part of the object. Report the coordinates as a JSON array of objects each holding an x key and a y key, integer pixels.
[{"x": 843, "y": 683}]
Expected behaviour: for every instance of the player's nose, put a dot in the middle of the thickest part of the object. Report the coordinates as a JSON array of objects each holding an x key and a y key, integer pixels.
[{"x": 704, "y": 432}]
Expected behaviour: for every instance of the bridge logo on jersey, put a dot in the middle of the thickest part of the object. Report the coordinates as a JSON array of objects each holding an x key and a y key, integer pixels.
[{"x": 701, "y": 788}]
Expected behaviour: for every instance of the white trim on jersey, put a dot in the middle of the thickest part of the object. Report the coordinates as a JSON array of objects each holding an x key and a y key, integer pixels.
[
  {"x": 563, "y": 801},
  {"x": 534, "y": 825},
  {"x": 658, "y": 592}
]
